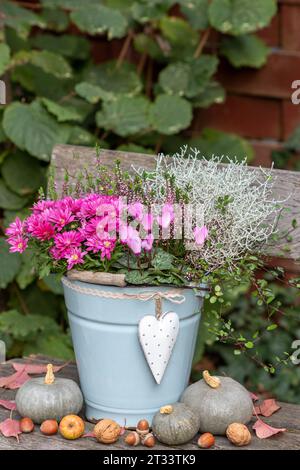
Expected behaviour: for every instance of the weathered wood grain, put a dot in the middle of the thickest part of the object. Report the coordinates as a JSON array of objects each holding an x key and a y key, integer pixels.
[
  {"x": 287, "y": 417},
  {"x": 286, "y": 187},
  {"x": 107, "y": 279}
]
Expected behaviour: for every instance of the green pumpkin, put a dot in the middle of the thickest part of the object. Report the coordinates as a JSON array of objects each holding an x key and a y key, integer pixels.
[
  {"x": 48, "y": 398},
  {"x": 217, "y": 407},
  {"x": 175, "y": 424}
]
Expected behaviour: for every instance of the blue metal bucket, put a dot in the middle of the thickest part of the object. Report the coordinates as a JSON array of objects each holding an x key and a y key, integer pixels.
[{"x": 115, "y": 378}]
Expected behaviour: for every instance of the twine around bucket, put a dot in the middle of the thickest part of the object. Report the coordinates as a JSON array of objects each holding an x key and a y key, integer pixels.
[{"x": 173, "y": 295}]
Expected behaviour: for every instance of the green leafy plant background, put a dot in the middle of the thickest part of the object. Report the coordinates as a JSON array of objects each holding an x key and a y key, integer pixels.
[{"x": 57, "y": 94}]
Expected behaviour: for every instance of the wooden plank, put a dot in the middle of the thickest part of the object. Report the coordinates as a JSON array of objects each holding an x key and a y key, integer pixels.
[
  {"x": 288, "y": 417},
  {"x": 287, "y": 185}
]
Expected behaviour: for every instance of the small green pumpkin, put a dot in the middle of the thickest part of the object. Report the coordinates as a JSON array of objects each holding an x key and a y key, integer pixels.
[
  {"x": 218, "y": 402},
  {"x": 48, "y": 398},
  {"x": 175, "y": 424}
]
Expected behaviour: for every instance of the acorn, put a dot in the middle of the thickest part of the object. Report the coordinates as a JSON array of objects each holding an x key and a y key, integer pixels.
[
  {"x": 26, "y": 425},
  {"x": 149, "y": 440},
  {"x": 132, "y": 439},
  {"x": 142, "y": 427}
]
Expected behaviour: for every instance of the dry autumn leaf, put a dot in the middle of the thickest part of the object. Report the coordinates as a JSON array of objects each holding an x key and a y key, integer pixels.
[
  {"x": 267, "y": 407},
  {"x": 35, "y": 368},
  {"x": 253, "y": 396},
  {"x": 15, "y": 380},
  {"x": 8, "y": 404},
  {"x": 89, "y": 434},
  {"x": 11, "y": 428},
  {"x": 264, "y": 430}
]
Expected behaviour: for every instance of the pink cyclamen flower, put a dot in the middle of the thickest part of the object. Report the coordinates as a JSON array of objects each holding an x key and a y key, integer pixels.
[
  {"x": 147, "y": 243},
  {"x": 200, "y": 234},
  {"x": 75, "y": 256},
  {"x": 136, "y": 210},
  {"x": 167, "y": 215},
  {"x": 15, "y": 228},
  {"x": 18, "y": 244},
  {"x": 67, "y": 240},
  {"x": 130, "y": 236}
]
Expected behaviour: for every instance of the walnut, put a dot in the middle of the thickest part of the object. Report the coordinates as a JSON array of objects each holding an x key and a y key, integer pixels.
[
  {"x": 107, "y": 431},
  {"x": 238, "y": 434}
]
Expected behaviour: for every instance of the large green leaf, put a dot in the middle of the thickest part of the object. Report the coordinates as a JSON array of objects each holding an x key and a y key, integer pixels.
[
  {"x": 98, "y": 19},
  {"x": 112, "y": 80},
  {"x": 240, "y": 16},
  {"x": 88, "y": 91},
  {"x": 32, "y": 129},
  {"x": 10, "y": 200},
  {"x": 144, "y": 44},
  {"x": 35, "y": 80},
  {"x": 80, "y": 136},
  {"x": 143, "y": 11},
  {"x": 201, "y": 71},
  {"x": 67, "y": 45},
  {"x": 22, "y": 173},
  {"x": 196, "y": 11},
  {"x": 54, "y": 345},
  {"x": 214, "y": 142},
  {"x": 170, "y": 114},
  {"x": 15, "y": 42},
  {"x": 178, "y": 31},
  {"x": 293, "y": 142},
  {"x": 69, "y": 110},
  {"x": 4, "y": 57},
  {"x": 125, "y": 115},
  {"x": 244, "y": 51},
  {"x": 19, "y": 18},
  {"x": 56, "y": 20},
  {"x": 213, "y": 93},
  {"x": 51, "y": 63},
  {"x": 26, "y": 274},
  {"x": 68, "y": 4},
  {"x": 174, "y": 78},
  {"x": 9, "y": 264}
]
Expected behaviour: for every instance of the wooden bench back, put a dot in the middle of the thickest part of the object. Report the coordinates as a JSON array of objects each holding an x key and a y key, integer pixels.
[{"x": 75, "y": 158}]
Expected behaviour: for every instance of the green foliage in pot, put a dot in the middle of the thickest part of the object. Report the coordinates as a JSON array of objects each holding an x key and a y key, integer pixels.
[
  {"x": 48, "y": 398},
  {"x": 175, "y": 424}
]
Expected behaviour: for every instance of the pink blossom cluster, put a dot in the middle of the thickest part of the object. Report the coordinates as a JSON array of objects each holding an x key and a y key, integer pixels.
[{"x": 68, "y": 229}]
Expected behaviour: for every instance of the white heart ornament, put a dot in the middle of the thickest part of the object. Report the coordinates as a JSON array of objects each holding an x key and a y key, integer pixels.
[{"x": 157, "y": 337}]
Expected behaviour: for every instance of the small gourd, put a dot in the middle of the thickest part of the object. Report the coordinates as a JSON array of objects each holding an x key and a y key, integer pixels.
[
  {"x": 218, "y": 402},
  {"x": 175, "y": 424},
  {"x": 48, "y": 397}
]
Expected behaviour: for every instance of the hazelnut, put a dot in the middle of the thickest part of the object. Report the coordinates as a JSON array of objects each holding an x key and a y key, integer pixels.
[
  {"x": 149, "y": 440},
  {"x": 238, "y": 434},
  {"x": 206, "y": 440},
  {"x": 49, "y": 427},
  {"x": 133, "y": 439},
  {"x": 26, "y": 425},
  {"x": 142, "y": 427}
]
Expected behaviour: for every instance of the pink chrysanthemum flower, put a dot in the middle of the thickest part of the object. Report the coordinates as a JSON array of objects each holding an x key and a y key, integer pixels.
[
  {"x": 61, "y": 216},
  {"x": 38, "y": 226},
  {"x": 18, "y": 244},
  {"x": 107, "y": 248},
  {"x": 42, "y": 205},
  {"x": 15, "y": 228},
  {"x": 66, "y": 241},
  {"x": 75, "y": 256}
]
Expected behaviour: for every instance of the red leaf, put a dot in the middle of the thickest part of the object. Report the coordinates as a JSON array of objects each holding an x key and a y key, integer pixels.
[
  {"x": 8, "y": 404},
  {"x": 263, "y": 430},
  {"x": 89, "y": 434},
  {"x": 35, "y": 368},
  {"x": 267, "y": 407},
  {"x": 253, "y": 396},
  {"x": 15, "y": 380},
  {"x": 11, "y": 428}
]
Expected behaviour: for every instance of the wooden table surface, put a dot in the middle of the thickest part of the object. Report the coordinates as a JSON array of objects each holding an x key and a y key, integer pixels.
[{"x": 287, "y": 417}]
